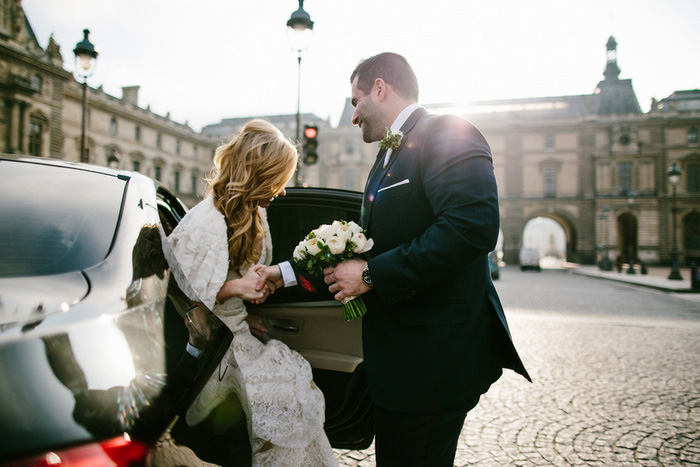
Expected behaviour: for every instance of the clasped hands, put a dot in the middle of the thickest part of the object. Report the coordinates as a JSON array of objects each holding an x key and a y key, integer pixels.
[{"x": 344, "y": 280}]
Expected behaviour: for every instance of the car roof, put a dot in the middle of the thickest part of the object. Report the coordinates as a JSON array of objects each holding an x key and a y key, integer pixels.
[{"x": 123, "y": 174}]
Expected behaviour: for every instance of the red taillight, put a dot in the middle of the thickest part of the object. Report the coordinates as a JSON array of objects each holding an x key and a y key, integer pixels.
[{"x": 116, "y": 452}]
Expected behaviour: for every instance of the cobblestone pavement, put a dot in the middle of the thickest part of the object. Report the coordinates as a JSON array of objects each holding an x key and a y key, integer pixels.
[{"x": 616, "y": 373}]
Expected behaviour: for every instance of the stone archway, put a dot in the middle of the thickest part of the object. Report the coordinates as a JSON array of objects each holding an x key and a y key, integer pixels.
[{"x": 570, "y": 250}]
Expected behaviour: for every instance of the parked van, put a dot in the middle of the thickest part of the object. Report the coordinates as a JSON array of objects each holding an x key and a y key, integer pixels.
[{"x": 530, "y": 259}]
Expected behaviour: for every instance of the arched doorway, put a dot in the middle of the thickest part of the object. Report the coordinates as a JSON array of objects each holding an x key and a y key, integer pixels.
[
  {"x": 627, "y": 237},
  {"x": 549, "y": 237}
]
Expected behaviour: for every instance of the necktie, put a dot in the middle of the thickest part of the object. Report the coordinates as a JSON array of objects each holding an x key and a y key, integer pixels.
[{"x": 369, "y": 195}]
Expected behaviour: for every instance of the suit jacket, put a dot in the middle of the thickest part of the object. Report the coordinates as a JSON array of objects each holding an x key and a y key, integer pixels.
[{"x": 435, "y": 335}]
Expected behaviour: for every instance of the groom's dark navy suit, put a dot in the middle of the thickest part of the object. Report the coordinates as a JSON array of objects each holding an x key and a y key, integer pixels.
[{"x": 434, "y": 336}]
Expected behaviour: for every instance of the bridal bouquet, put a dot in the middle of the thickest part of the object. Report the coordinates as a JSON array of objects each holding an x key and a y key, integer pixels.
[{"x": 329, "y": 245}]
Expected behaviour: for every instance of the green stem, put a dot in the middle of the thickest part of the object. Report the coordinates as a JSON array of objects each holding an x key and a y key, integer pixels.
[{"x": 354, "y": 309}]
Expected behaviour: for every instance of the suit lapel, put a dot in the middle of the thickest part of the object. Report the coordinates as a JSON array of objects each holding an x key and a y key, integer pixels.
[{"x": 378, "y": 172}]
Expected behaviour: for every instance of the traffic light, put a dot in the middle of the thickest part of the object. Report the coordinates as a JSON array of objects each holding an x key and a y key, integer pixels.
[{"x": 310, "y": 144}]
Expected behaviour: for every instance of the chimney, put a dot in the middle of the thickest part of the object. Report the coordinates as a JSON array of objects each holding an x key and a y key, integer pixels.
[{"x": 130, "y": 95}]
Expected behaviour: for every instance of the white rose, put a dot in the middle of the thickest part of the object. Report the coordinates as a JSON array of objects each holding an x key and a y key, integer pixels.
[
  {"x": 336, "y": 245},
  {"x": 325, "y": 232},
  {"x": 360, "y": 241},
  {"x": 312, "y": 247},
  {"x": 354, "y": 228},
  {"x": 299, "y": 250},
  {"x": 344, "y": 233},
  {"x": 363, "y": 243}
]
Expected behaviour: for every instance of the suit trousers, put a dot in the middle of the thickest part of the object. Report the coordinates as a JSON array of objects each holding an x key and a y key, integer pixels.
[{"x": 418, "y": 439}]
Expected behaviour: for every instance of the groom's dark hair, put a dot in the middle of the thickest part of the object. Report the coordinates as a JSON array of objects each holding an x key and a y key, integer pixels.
[{"x": 392, "y": 68}]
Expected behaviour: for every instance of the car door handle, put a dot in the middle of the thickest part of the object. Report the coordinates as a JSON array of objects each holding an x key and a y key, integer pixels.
[{"x": 281, "y": 328}]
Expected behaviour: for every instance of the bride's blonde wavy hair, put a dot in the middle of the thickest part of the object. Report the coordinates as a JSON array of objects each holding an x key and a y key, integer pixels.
[{"x": 253, "y": 167}]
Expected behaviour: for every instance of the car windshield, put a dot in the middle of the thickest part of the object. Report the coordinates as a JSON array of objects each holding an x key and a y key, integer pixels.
[{"x": 55, "y": 219}]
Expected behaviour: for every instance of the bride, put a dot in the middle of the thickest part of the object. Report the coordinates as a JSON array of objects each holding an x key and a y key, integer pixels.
[{"x": 219, "y": 246}]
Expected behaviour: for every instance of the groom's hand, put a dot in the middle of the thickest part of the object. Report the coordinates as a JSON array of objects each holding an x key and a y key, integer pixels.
[
  {"x": 346, "y": 279},
  {"x": 271, "y": 274}
]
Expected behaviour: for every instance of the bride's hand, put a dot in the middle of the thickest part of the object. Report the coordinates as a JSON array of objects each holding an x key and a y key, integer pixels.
[
  {"x": 245, "y": 288},
  {"x": 268, "y": 286}
]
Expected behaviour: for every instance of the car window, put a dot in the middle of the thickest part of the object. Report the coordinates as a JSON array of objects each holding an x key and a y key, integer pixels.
[
  {"x": 170, "y": 209},
  {"x": 55, "y": 219},
  {"x": 290, "y": 221}
]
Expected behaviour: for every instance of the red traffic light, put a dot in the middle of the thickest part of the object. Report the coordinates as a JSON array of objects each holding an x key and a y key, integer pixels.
[{"x": 310, "y": 132}]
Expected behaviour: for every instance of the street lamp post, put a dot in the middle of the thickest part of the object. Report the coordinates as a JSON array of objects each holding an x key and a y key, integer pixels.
[
  {"x": 674, "y": 177},
  {"x": 605, "y": 261},
  {"x": 299, "y": 31},
  {"x": 632, "y": 252},
  {"x": 85, "y": 59}
]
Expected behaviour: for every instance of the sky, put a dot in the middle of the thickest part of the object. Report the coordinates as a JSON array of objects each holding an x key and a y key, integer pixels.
[{"x": 205, "y": 60}]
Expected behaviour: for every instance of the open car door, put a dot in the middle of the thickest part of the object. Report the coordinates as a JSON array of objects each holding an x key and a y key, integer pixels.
[{"x": 312, "y": 323}]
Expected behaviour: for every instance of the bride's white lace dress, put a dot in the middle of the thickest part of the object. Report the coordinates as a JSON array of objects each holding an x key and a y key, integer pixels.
[{"x": 284, "y": 408}]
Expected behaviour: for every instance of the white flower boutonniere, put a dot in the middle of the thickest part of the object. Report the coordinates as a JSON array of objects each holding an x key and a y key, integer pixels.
[{"x": 391, "y": 140}]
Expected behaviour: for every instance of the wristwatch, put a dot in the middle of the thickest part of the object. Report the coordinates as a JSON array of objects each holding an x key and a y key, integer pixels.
[{"x": 366, "y": 278}]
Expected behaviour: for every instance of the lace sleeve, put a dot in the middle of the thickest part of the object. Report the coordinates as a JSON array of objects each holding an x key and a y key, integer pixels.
[{"x": 197, "y": 252}]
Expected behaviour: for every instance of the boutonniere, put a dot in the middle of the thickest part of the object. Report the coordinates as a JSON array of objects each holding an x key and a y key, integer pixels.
[{"x": 391, "y": 140}]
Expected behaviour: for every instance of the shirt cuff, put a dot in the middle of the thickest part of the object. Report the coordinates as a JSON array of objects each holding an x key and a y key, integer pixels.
[
  {"x": 288, "y": 275},
  {"x": 194, "y": 351}
]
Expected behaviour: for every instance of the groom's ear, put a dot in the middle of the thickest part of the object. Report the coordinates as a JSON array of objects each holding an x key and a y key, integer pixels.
[{"x": 380, "y": 89}]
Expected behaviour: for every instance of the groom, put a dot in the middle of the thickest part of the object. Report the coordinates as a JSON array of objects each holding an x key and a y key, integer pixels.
[{"x": 434, "y": 336}]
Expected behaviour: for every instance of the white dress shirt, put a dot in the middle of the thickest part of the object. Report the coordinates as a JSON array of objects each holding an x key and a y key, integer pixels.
[{"x": 398, "y": 123}]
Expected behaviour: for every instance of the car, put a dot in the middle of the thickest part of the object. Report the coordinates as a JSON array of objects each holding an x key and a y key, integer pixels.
[
  {"x": 494, "y": 267},
  {"x": 530, "y": 259},
  {"x": 93, "y": 333}
]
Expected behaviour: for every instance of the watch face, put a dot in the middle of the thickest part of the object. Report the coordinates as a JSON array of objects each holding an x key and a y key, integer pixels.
[{"x": 366, "y": 277}]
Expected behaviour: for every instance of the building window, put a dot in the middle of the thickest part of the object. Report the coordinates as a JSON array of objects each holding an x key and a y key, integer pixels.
[
  {"x": 692, "y": 176},
  {"x": 194, "y": 152},
  {"x": 113, "y": 126},
  {"x": 159, "y": 140},
  {"x": 177, "y": 146},
  {"x": 158, "y": 173},
  {"x": 549, "y": 141},
  {"x": 693, "y": 136},
  {"x": 137, "y": 166},
  {"x": 36, "y": 83},
  {"x": 624, "y": 177},
  {"x": 137, "y": 133},
  {"x": 550, "y": 181},
  {"x": 193, "y": 179},
  {"x": 35, "y": 130},
  {"x": 177, "y": 181},
  {"x": 691, "y": 231}
]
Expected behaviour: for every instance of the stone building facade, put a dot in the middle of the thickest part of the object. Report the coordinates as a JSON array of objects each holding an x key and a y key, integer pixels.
[
  {"x": 125, "y": 136},
  {"x": 594, "y": 163},
  {"x": 310, "y": 175},
  {"x": 41, "y": 115},
  {"x": 31, "y": 88}
]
